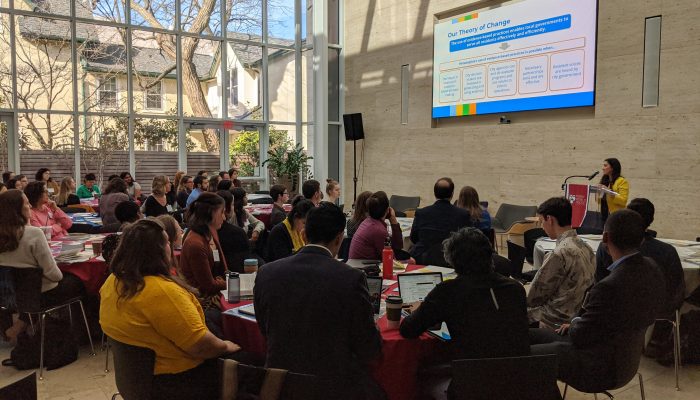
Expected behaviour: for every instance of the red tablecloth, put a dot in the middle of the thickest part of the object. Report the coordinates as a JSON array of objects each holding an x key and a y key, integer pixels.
[
  {"x": 93, "y": 273},
  {"x": 263, "y": 212},
  {"x": 395, "y": 370}
]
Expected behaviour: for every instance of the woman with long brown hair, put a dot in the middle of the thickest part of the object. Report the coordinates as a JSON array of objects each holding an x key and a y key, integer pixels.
[
  {"x": 469, "y": 200},
  {"x": 359, "y": 214},
  {"x": 612, "y": 179},
  {"x": 25, "y": 246},
  {"x": 142, "y": 305}
]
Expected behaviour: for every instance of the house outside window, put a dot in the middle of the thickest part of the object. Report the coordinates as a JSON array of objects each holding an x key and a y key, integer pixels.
[
  {"x": 154, "y": 96},
  {"x": 107, "y": 92},
  {"x": 234, "y": 86}
]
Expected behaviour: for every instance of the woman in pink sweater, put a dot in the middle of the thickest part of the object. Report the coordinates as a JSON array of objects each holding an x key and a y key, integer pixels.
[{"x": 45, "y": 212}]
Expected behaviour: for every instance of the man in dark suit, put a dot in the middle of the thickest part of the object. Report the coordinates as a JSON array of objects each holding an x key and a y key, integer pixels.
[
  {"x": 315, "y": 312},
  {"x": 441, "y": 218},
  {"x": 615, "y": 309}
]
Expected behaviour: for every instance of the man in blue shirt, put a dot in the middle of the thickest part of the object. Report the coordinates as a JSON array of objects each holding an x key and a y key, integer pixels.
[{"x": 200, "y": 185}]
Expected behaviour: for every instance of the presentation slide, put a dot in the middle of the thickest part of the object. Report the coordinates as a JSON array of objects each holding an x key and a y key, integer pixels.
[{"x": 531, "y": 55}]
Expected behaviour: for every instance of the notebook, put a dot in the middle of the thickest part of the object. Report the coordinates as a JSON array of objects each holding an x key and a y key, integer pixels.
[{"x": 414, "y": 287}]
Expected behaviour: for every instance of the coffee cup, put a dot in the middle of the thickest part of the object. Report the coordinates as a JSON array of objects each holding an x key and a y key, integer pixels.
[
  {"x": 48, "y": 230},
  {"x": 393, "y": 311},
  {"x": 97, "y": 247},
  {"x": 250, "y": 265}
]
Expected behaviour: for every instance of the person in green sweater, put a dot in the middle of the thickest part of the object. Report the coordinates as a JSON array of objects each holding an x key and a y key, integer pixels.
[{"x": 88, "y": 189}]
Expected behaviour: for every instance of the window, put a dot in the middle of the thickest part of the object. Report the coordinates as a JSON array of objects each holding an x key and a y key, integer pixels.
[
  {"x": 108, "y": 92},
  {"x": 154, "y": 96},
  {"x": 234, "y": 86},
  {"x": 155, "y": 145}
]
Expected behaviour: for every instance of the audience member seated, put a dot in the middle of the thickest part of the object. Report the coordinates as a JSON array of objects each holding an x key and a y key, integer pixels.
[
  {"x": 665, "y": 256},
  {"x": 359, "y": 213},
  {"x": 214, "y": 183},
  {"x": 44, "y": 212},
  {"x": 44, "y": 175},
  {"x": 66, "y": 195},
  {"x": 615, "y": 308},
  {"x": 233, "y": 239},
  {"x": 133, "y": 188},
  {"x": 286, "y": 238},
  {"x": 469, "y": 200},
  {"x": 202, "y": 260},
  {"x": 233, "y": 175},
  {"x": 311, "y": 190},
  {"x": 174, "y": 232},
  {"x": 115, "y": 193},
  {"x": 89, "y": 189},
  {"x": 200, "y": 184},
  {"x": 442, "y": 215},
  {"x": 368, "y": 241},
  {"x": 242, "y": 218},
  {"x": 568, "y": 271},
  {"x": 3, "y": 188},
  {"x": 18, "y": 182},
  {"x": 224, "y": 185},
  {"x": 184, "y": 188},
  {"x": 143, "y": 305},
  {"x": 280, "y": 195},
  {"x": 25, "y": 246},
  {"x": 127, "y": 212},
  {"x": 6, "y": 176},
  {"x": 224, "y": 176},
  {"x": 203, "y": 173},
  {"x": 315, "y": 312},
  {"x": 485, "y": 312},
  {"x": 332, "y": 191},
  {"x": 172, "y": 194},
  {"x": 157, "y": 203}
]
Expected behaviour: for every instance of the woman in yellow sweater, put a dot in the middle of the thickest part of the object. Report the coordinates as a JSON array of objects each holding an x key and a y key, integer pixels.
[
  {"x": 612, "y": 180},
  {"x": 143, "y": 305}
]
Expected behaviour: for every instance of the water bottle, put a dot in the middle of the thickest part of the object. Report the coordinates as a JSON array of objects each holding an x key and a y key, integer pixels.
[
  {"x": 387, "y": 260},
  {"x": 234, "y": 287}
]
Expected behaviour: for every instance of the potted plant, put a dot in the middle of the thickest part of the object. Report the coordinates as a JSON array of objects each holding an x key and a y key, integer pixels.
[{"x": 287, "y": 166}]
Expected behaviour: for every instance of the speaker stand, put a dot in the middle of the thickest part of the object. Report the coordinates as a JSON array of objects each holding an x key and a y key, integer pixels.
[{"x": 354, "y": 172}]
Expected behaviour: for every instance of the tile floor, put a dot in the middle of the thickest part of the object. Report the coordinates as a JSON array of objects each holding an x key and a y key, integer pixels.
[{"x": 86, "y": 379}]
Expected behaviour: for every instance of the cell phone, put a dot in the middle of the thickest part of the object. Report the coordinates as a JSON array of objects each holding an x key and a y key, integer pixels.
[{"x": 370, "y": 262}]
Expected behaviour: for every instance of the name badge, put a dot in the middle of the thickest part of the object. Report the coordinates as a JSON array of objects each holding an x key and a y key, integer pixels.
[
  {"x": 215, "y": 253},
  {"x": 50, "y": 190},
  {"x": 169, "y": 207}
]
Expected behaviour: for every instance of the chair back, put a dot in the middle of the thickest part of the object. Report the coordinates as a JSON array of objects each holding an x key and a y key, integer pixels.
[
  {"x": 23, "y": 389},
  {"x": 628, "y": 352},
  {"x": 27, "y": 283},
  {"x": 402, "y": 203},
  {"x": 516, "y": 255},
  {"x": 588, "y": 230},
  {"x": 501, "y": 264},
  {"x": 432, "y": 240},
  {"x": 133, "y": 370},
  {"x": 508, "y": 214},
  {"x": 491, "y": 234},
  {"x": 344, "y": 251},
  {"x": 509, "y": 378},
  {"x": 246, "y": 381},
  {"x": 530, "y": 238},
  {"x": 262, "y": 200}
]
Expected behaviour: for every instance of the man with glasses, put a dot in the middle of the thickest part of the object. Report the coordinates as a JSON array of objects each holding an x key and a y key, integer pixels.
[{"x": 280, "y": 196}]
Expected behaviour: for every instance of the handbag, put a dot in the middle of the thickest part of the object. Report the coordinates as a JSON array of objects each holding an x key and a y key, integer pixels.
[{"x": 60, "y": 347}]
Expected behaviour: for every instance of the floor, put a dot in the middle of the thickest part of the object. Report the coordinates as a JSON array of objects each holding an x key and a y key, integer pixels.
[{"x": 86, "y": 379}]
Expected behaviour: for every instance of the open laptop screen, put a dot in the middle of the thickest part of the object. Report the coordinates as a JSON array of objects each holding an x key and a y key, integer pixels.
[
  {"x": 414, "y": 287},
  {"x": 374, "y": 284}
]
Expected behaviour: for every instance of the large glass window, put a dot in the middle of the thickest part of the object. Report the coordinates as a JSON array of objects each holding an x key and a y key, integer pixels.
[{"x": 158, "y": 71}]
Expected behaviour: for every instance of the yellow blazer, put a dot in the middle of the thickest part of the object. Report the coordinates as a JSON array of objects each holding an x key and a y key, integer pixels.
[{"x": 622, "y": 187}]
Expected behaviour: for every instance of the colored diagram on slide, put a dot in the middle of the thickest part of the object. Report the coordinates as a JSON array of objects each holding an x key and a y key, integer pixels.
[{"x": 513, "y": 58}]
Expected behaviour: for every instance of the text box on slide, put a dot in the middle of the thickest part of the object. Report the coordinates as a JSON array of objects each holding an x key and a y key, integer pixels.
[
  {"x": 533, "y": 74},
  {"x": 474, "y": 83},
  {"x": 450, "y": 84},
  {"x": 502, "y": 79},
  {"x": 566, "y": 71}
]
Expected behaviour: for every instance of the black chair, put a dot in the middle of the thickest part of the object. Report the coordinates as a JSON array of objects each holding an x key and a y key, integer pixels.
[
  {"x": 676, "y": 332},
  {"x": 251, "y": 382},
  {"x": 491, "y": 234},
  {"x": 432, "y": 240},
  {"x": 529, "y": 239},
  {"x": 652, "y": 232},
  {"x": 510, "y": 214},
  {"x": 509, "y": 378},
  {"x": 516, "y": 255},
  {"x": 133, "y": 370},
  {"x": 23, "y": 389},
  {"x": 586, "y": 230},
  {"x": 27, "y": 287},
  {"x": 401, "y": 204},
  {"x": 501, "y": 264},
  {"x": 262, "y": 192},
  {"x": 344, "y": 251},
  {"x": 627, "y": 354},
  {"x": 262, "y": 200}
]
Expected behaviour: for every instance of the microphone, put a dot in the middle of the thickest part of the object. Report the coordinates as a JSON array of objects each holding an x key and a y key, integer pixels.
[{"x": 593, "y": 175}]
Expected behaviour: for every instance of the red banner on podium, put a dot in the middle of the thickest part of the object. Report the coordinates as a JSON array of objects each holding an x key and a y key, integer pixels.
[{"x": 578, "y": 196}]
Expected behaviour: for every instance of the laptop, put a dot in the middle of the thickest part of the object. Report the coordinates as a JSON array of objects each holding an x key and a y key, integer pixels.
[
  {"x": 414, "y": 287},
  {"x": 374, "y": 285}
]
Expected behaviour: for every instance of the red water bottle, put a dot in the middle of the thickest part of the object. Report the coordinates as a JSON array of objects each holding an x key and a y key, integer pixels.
[{"x": 387, "y": 260}]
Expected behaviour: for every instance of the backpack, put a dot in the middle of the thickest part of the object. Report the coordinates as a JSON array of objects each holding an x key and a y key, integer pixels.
[{"x": 60, "y": 346}]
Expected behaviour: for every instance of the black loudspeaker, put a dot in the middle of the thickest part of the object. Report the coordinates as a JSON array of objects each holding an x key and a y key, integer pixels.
[{"x": 353, "y": 126}]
